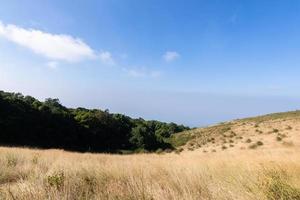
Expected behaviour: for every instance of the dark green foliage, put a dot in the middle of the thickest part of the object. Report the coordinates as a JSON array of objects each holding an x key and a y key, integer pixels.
[{"x": 25, "y": 121}]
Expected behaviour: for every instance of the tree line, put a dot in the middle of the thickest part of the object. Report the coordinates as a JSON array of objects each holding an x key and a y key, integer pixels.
[{"x": 26, "y": 121}]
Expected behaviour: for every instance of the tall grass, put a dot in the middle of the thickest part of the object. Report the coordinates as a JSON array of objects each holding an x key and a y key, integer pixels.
[{"x": 55, "y": 174}]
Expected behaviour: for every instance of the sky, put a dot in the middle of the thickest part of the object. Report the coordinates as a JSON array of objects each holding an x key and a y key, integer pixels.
[{"x": 193, "y": 62}]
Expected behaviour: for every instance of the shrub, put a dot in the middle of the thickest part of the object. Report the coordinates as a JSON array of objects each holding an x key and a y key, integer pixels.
[
  {"x": 168, "y": 150},
  {"x": 289, "y": 128},
  {"x": 253, "y": 146},
  {"x": 231, "y": 145},
  {"x": 191, "y": 149},
  {"x": 275, "y": 130},
  {"x": 11, "y": 160},
  {"x": 159, "y": 151},
  {"x": 278, "y": 138},
  {"x": 56, "y": 180},
  {"x": 282, "y": 135},
  {"x": 178, "y": 151},
  {"x": 249, "y": 140},
  {"x": 258, "y": 131},
  {"x": 224, "y": 147},
  {"x": 232, "y": 134},
  {"x": 259, "y": 143}
]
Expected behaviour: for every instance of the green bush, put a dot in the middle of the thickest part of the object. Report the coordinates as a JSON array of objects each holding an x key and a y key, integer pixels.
[{"x": 56, "y": 180}]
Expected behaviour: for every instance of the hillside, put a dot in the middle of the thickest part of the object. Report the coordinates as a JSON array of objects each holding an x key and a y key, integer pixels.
[{"x": 272, "y": 131}]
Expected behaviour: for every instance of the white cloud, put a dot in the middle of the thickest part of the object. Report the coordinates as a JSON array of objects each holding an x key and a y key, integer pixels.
[
  {"x": 135, "y": 73},
  {"x": 52, "y": 64},
  {"x": 142, "y": 72},
  {"x": 170, "y": 56},
  {"x": 53, "y": 46},
  {"x": 106, "y": 58}
]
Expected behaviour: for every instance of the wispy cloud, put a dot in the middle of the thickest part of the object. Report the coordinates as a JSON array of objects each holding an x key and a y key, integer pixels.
[
  {"x": 107, "y": 58},
  {"x": 142, "y": 72},
  {"x": 170, "y": 56},
  {"x": 53, "y": 46},
  {"x": 52, "y": 64}
]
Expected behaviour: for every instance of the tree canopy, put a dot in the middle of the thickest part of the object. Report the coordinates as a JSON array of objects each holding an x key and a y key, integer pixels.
[{"x": 26, "y": 121}]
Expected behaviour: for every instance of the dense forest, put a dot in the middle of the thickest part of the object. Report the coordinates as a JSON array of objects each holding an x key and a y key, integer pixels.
[{"x": 26, "y": 121}]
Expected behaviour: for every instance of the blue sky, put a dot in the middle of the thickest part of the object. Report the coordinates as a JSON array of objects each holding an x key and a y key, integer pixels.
[{"x": 192, "y": 62}]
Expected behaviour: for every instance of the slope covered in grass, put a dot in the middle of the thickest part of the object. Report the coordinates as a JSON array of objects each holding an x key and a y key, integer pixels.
[{"x": 278, "y": 130}]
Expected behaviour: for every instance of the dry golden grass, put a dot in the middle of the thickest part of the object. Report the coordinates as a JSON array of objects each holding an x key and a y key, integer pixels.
[
  {"x": 56, "y": 174},
  {"x": 265, "y": 132}
]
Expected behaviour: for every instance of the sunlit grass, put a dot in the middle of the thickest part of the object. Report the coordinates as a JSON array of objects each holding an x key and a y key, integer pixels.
[{"x": 56, "y": 174}]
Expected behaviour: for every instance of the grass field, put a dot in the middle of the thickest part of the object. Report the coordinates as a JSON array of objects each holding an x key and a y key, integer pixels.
[
  {"x": 248, "y": 159},
  {"x": 56, "y": 174}
]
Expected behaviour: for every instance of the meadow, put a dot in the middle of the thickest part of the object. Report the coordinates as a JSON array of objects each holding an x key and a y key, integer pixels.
[{"x": 267, "y": 174}]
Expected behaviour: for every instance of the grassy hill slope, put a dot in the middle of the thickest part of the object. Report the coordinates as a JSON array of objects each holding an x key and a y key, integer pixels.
[{"x": 278, "y": 130}]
